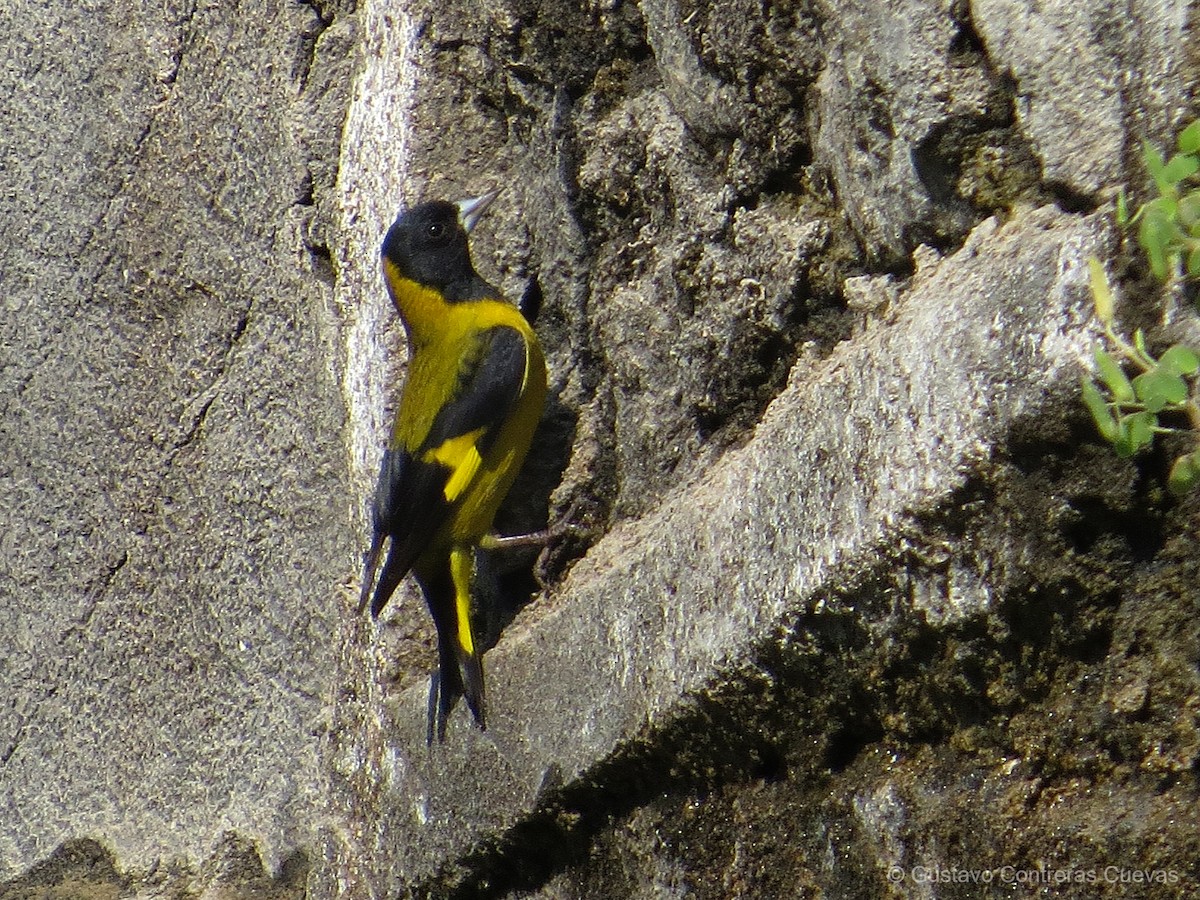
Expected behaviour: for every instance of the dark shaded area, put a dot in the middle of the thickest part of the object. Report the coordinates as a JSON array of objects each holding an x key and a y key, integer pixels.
[
  {"x": 869, "y": 722},
  {"x": 84, "y": 867},
  {"x": 87, "y": 870},
  {"x": 973, "y": 167},
  {"x": 506, "y": 580}
]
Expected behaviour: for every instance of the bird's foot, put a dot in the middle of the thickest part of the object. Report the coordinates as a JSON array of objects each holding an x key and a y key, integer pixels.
[{"x": 565, "y": 526}]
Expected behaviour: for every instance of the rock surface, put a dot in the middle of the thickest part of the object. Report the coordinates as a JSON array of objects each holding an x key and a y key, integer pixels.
[
  {"x": 177, "y": 518},
  {"x": 699, "y": 586},
  {"x": 813, "y": 290}
]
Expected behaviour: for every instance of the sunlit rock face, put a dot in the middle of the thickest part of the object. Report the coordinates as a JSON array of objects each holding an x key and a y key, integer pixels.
[{"x": 853, "y": 595}]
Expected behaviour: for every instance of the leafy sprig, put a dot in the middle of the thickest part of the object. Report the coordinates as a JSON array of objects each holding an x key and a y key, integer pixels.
[
  {"x": 1129, "y": 411},
  {"x": 1169, "y": 225}
]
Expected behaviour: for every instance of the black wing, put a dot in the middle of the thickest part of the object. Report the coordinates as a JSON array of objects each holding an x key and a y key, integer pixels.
[{"x": 412, "y": 500}]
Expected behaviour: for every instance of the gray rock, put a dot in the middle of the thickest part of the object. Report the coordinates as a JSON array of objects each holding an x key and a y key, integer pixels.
[
  {"x": 814, "y": 337},
  {"x": 663, "y": 605},
  {"x": 175, "y": 497},
  {"x": 895, "y": 79},
  {"x": 1072, "y": 111},
  {"x": 1115, "y": 66}
]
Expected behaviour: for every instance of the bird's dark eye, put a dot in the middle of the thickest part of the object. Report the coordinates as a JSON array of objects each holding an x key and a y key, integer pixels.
[{"x": 435, "y": 230}]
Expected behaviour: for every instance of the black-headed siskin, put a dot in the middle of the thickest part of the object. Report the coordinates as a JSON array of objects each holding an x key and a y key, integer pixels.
[{"x": 473, "y": 396}]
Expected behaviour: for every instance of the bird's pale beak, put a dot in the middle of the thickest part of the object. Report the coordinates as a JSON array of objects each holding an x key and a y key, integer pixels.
[{"x": 470, "y": 211}]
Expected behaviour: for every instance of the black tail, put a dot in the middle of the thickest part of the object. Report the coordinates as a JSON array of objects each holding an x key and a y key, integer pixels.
[
  {"x": 446, "y": 685},
  {"x": 472, "y": 673},
  {"x": 394, "y": 569},
  {"x": 444, "y": 689},
  {"x": 384, "y": 518},
  {"x": 460, "y": 668},
  {"x": 371, "y": 564}
]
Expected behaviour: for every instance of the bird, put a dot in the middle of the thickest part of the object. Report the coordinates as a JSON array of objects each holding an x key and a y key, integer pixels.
[{"x": 474, "y": 393}]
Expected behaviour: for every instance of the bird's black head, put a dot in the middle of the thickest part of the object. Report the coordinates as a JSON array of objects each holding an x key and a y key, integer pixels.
[{"x": 428, "y": 244}]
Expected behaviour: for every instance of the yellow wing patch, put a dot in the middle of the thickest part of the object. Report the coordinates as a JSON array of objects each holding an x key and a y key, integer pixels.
[{"x": 461, "y": 456}]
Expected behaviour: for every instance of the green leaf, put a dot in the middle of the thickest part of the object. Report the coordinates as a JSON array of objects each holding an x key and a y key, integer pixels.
[
  {"x": 1114, "y": 379},
  {"x": 1188, "y": 210},
  {"x": 1189, "y": 138},
  {"x": 1179, "y": 360},
  {"x": 1122, "y": 208},
  {"x": 1101, "y": 415},
  {"x": 1179, "y": 167},
  {"x": 1193, "y": 262},
  {"x": 1135, "y": 433},
  {"x": 1155, "y": 236},
  {"x": 1158, "y": 389},
  {"x": 1155, "y": 164},
  {"x": 1139, "y": 341},
  {"x": 1185, "y": 474},
  {"x": 1101, "y": 292}
]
